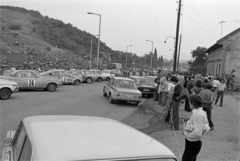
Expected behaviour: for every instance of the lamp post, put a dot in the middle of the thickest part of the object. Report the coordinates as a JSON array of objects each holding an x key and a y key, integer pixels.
[
  {"x": 126, "y": 54},
  {"x": 98, "y": 35},
  {"x": 151, "y": 54},
  {"x": 173, "y": 46},
  {"x": 91, "y": 52}
]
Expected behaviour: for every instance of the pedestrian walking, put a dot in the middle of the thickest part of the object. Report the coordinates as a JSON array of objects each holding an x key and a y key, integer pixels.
[
  {"x": 207, "y": 97},
  {"x": 196, "y": 126},
  {"x": 221, "y": 88},
  {"x": 161, "y": 88},
  {"x": 176, "y": 99},
  {"x": 157, "y": 81},
  {"x": 166, "y": 115},
  {"x": 198, "y": 87}
]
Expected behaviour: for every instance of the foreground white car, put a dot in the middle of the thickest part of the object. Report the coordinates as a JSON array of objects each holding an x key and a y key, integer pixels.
[
  {"x": 7, "y": 87},
  {"x": 55, "y": 138}
]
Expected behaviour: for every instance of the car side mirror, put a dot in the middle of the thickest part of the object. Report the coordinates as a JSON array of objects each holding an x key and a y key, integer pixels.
[{"x": 9, "y": 138}]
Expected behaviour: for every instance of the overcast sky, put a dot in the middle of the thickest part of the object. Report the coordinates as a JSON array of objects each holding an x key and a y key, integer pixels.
[{"x": 131, "y": 22}]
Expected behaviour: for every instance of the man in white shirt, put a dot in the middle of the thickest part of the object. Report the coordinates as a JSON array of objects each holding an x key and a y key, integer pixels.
[{"x": 221, "y": 87}]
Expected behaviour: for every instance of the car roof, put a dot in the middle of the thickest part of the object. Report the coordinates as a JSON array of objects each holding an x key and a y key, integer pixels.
[
  {"x": 123, "y": 78},
  {"x": 151, "y": 76},
  {"x": 137, "y": 77},
  {"x": 88, "y": 138}
]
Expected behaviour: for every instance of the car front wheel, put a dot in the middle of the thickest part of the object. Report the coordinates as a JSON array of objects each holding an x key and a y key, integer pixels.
[
  {"x": 99, "y": 79},
  {"x": 5, "y": 94},
  {"x": 107, "y": 79},
  {"x": 76, "y": 82},
  {"x": 51, "y": 87},
  {"x": 89, "y": 80}
]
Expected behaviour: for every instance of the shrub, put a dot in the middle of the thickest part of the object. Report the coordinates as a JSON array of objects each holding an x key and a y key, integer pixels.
[
  {"x": 15, "y": 27},
  {"x": 48, "y": 48}
]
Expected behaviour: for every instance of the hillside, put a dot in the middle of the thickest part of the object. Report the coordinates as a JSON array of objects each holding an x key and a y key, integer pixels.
[{"x": 31, "y": 39}]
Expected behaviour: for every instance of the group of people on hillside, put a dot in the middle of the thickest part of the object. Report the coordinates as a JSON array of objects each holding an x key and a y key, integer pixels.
[{"x": 199, "y": 93}]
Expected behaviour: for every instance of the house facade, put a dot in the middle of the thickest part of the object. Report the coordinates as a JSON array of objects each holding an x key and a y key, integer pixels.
[{"x": 224, "y": 56}]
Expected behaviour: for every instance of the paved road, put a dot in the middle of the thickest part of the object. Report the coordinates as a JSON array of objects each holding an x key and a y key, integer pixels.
[{"x": 85, "y": 99}]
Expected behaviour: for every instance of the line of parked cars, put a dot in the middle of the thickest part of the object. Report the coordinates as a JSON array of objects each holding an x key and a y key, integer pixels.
[
  {"x": 12, "y": 81},
  {"x": 130, "y": 89}
]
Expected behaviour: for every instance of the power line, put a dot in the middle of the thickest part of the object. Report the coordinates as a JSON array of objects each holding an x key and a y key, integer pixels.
[
  {"x": 200, "y": 25},
  {"x": 196, "y": 13}
]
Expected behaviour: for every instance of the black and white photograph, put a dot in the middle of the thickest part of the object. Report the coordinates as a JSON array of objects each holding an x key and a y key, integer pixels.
[{"x": 120, "y": 80}]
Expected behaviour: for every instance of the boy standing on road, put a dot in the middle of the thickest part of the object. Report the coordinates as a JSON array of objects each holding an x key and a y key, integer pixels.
[
  {"x": 207, "y": 97},
  {"x": 221, "y": 88}
]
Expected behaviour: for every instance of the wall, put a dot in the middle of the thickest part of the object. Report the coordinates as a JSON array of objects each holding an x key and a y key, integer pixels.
[{"x": 231, "y": 56}]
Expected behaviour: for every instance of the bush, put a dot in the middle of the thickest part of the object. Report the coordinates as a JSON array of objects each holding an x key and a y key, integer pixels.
[
  {"x": 15, "y": 27},
  {"x": 48, "y": 48}
]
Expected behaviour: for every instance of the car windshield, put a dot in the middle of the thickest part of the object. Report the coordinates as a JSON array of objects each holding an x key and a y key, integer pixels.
[
  {"x": 74, "y": 73},
  {"x": 38, "y": 73},
  {"x": 141, "y": 81},
  {"x": 125, "y": 84},
  {"x": 90, "y": 72}
]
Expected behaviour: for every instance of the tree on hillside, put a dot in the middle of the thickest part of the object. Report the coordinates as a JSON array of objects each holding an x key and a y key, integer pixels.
[
  {"x": 197, "y": 65},
  {"x": 155, "y": 56}
]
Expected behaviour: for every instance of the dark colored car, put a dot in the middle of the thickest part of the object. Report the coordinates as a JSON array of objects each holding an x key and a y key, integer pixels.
[{"x": 144, "y": 85}]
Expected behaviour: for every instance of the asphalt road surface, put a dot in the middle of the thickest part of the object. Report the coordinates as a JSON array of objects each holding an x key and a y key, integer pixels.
[{"x": 85, "y": 99}]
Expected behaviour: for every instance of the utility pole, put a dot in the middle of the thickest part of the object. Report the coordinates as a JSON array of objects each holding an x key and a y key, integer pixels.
[
  {"x": 179, "y": 52},
  {"x": 177, "y": 33},
  {"x": 222, "y": 26}
]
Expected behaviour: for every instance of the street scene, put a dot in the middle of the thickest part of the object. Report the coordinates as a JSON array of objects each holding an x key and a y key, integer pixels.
[{"x": 120, "y": 80}]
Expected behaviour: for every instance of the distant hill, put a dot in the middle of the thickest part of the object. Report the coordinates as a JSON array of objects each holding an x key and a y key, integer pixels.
[{"x": 27, "y": 37}]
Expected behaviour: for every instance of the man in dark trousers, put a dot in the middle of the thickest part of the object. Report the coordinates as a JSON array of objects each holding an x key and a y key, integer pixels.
[
  {"x": 176, "y": 99},
  {"x": 207, "y": 97},
  {"x": 157, "y": 81}
]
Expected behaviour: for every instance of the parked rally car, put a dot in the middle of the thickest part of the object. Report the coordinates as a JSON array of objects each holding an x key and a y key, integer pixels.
[
  {"x": 30, "y": 79},
  {"x": 122, "y": 89},
  {"x": 144, "y": 85},
  {"x": 7, "y": 87},
  {"x": 108, "y": 74},
  {"x": 88, "y": 78},
  {"x": 83, "y": 138},
  {"x": 98, "y": 74},
  {"x": 65, "y": 76}
]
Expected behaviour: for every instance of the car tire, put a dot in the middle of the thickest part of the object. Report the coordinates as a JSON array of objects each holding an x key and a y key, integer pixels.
[
  {"x": 104, "y": 93},
  {"x": 107, "y": 79},
  {"x": 89, "y": 80},
  {"x": 99, "y": 79},
  {"x": 51, "y": 87},
  {"x": 111, "y": 100},
  {"x": 77, "y": 82},
  {"x": 5, "y": 94}
]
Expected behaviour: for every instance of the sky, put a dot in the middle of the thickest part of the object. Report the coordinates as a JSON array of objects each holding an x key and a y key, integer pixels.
[{"x": 132, "y": 22}]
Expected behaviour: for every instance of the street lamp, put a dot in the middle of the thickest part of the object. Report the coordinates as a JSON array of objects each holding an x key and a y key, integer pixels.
[
  {"x": 126, "y": 54},
  {"x": 98, "y": 35},
  {"x": 91, "y": 52},
  {"x": 173, "y": 45},
  {"x": 151, "y": 53}
]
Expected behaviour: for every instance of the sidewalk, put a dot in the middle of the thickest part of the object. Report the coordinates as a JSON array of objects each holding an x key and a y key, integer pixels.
[{"x": 221, "y": 144}]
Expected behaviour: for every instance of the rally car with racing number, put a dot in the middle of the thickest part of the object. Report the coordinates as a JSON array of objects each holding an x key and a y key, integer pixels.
[
  {"x": 30, "y": 79},
  {"x": 65, "y": 76}
]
